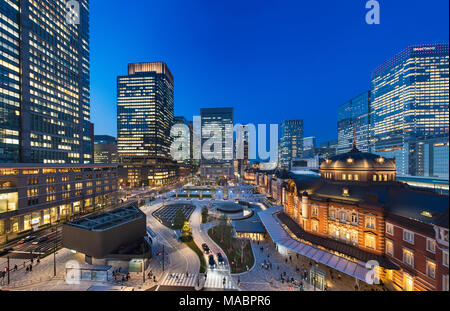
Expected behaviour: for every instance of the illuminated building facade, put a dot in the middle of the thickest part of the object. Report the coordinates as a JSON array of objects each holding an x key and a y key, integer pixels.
[
  {"x": 144, "y": 120},
  {"x": 410, "y": 98},
  {"x": 44, "y": 89},
  {"x": 291, "y": 142},
  {"x": 220, "y": 119},
  {"x": 36, "y": 195},
  {"x": 309, "y": 147},
  {"x": 105, "y": 149},
  {"x": 357, "y": 211},
  {"x": 354, "y": 122}
]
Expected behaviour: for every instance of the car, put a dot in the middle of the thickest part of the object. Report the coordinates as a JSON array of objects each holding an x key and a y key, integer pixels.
[
  {"x": 5, "y": 251},
  {"x": 212, "y": 262},
  {"x": 41, "y": 240},
  {"x": 220, "y": 258},
  {"x": 205, "y": 248},
  {"x": 26, "y": 239}
]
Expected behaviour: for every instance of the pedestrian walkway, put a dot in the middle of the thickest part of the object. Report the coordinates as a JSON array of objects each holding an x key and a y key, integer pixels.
[
  {"x": 179, "y": 279},
  {"x": 216, "y": 281},
  {"x": 272, "y": 271}
]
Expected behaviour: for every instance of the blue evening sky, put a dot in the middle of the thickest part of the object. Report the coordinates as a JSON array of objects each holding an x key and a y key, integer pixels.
[{"x": 270, "y": 60}]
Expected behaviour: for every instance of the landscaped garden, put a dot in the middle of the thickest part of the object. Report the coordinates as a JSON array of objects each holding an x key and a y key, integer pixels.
[{"x": 238, "y": 251}]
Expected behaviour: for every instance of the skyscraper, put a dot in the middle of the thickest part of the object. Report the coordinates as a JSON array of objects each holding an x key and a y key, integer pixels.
[
  {"x": 354, "y": 123},
  {"x": 309, "y": 146},
  {"x": 221, "y": 119},
  {"x": 105, "y": 149},
  {"x": 144, "y": 120},
  {"x": 291, "y": 142},
  {"x": 44, "y": 83},
  {"x": 410, "y": 99}
]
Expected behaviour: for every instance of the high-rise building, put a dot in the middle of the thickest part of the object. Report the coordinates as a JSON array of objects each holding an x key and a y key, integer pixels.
[
  {"x": 242, "y": 161},
  {"x": 44, "y": 83},
  {"x": 220, "y": 162},
  {"x": 410, "y": 98},
  {"x": 188, "y": 140},
  {"x": 428, "y": 156},
  {"x": 327, "y": 149},
  {"x": 309, "y": 146},
  {"x": 291, "y": 142},
  {"x": 105, "y": 149},
  {"x": 144, "y": 120},
  {"x": 354, "y": 123}
]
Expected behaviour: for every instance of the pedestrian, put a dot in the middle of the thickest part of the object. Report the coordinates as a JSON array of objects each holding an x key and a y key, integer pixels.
[
  {"x": 31, "y": 268},
  {"x": 15, "y": 267}
]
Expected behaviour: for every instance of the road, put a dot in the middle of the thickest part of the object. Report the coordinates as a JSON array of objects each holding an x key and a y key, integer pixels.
[{"x": 181, "y": 259}]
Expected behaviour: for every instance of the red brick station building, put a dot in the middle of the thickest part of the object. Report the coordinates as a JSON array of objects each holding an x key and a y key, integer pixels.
[{"x": 356, "y": 212}]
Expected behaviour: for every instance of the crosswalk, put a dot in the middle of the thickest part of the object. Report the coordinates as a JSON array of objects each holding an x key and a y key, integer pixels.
[
  {"x": 213, "y": 280},
  {"x": 216, "y": 281},
  {"x": 180, "y": 279}
]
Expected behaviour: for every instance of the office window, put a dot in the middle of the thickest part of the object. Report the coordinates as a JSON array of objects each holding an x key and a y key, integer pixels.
[
  {"x": 408, "y": 257},
  {"x": 431, "y": 245},
  {"x": 408, "y": 236},
  {"x": 389, "y": 228}
]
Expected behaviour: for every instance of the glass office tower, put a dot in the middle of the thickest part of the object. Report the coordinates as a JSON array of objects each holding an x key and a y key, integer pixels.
[
  {"x": 9, "y": 82},
  {"x": 144, "y": 120},
  {"x": 354, "y": 123},
  {"x": 44, "y": 89},
  {"x": 291, "y": 142},
  {"x": 217, "y": 119},
  {"x": 410, "y": 99}
]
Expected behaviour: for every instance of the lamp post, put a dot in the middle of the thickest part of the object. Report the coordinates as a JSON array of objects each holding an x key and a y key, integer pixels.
[{"x": 54, "y": 252}]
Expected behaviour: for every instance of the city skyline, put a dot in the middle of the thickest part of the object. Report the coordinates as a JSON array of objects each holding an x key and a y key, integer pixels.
[{"x": 300, "y": 72}]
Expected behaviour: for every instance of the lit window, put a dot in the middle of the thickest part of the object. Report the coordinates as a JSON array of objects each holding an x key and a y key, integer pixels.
[
  {"x": 408, "y": 236},
  {"x": 315, "y": 226},
  {"x": 408, "y": 257},
  {"x": 370, "y": 241},
  {"x": 370, "y": 222},
  {"x": 408, "y": 282},
  {"x": 389, "y": 228},
  {"x": 431, "y": 245},
  {"x": 389, "y": 248},
  {"x": 431, "y": 269}
]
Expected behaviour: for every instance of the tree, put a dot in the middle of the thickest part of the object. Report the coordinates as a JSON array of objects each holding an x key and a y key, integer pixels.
[
  {"x": 186, "y": 232},
  {"x": 178, "y": 220},
  {"x": 204, "y": 214}
]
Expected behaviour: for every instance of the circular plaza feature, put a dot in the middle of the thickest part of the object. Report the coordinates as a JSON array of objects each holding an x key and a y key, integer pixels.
[{"x": 228, "y": 207}]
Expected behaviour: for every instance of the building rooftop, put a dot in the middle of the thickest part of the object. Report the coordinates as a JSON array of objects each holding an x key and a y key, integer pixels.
[
  {"x": 108, "y": 220},
  {"x": 248, "y": 226}
]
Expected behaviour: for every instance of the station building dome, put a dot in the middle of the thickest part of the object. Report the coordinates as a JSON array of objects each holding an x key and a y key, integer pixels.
[{"x": 358, "y": 166}]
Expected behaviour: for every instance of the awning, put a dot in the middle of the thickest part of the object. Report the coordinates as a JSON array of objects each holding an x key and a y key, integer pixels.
[{"x": 281, "y": 237}]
